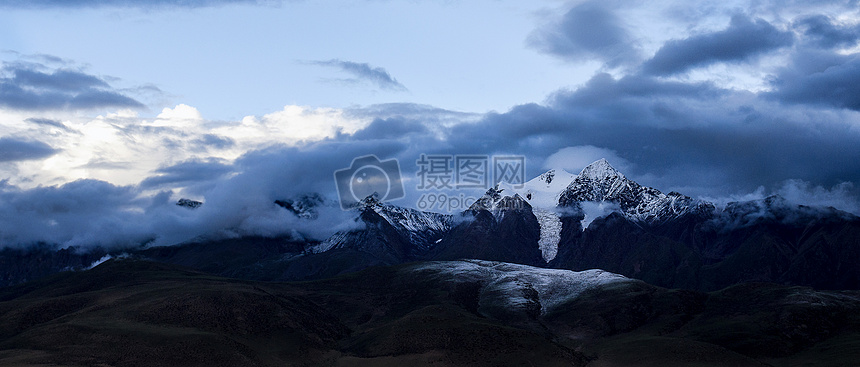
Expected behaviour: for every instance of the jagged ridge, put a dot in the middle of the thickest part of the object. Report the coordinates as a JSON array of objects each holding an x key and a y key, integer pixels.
[
  {"x": 421, "y": 229},
  {"x": 600, "y": 182}
]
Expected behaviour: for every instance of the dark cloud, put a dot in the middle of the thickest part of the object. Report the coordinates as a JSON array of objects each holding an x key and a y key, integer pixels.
[
  {"x": 47, "y": 122},
  {"x": 194, "y": 170},
  {"x": 51, "y": 59},
  {"x": 101, "y": 163},
  {"x": 215, "y": 141},
  {"x": 66, "y": 80},
  {"x": 12, "y": 150},
  {"x": 691, "y": 138},
  {"x": 127, "y": 3},
  {"x": 101, "y": 99},
  {"x": 822, "y": 78},
  {"x": 603, "y": 88},
  {"x": 390, "y": 128},
  {"x": 743, "y": 40},
  {"x": 694, "y": 138},
  {"x": 415, "y": 118},
  {"x": 410, "y": 110},
  {"x": 588, "y": 31},
  {"x": 24, "y": 86},
  {"x": 818, "y": 73},
  {"x": 296, "y": 170},
  {"x": 365, "y": 72},
  {"x": 820, "y": 30},
  {"x": 79, "y": 213},
  {"x": 96, "y": 213}
]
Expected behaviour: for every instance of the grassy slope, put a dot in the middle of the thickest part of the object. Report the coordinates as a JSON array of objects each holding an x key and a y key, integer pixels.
[{"x": 131, "y": 313}]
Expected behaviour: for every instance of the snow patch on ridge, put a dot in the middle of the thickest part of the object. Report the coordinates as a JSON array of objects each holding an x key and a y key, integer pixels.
[
  {"x": 505, "y": 284},
  {"x": 543, "y": 191},
  {"x": 106, "y": 258},
  {"x": 414, "y": 224},
  {"x": 99, "y": 261}
]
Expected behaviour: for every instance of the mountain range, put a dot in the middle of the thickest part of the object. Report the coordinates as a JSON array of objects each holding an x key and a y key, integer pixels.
[
  {"x": 597, "y": 219},
  {"x": 669, "y": 240}
]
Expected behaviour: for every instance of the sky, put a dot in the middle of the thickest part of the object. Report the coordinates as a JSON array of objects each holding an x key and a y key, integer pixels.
[{"x": 110, "y": 111}]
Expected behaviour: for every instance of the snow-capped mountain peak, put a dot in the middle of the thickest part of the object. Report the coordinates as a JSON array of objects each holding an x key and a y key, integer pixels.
[
  {"x": 422, "y": 229},
  {"x": 497, "y": 203},
  {"x": 543, "y": 191},
  {"x": 371, "y": 200},
  {"x": 597, "y": 182},
  {"x": 600, "y": 182},
  {"x": 411, "y": 220},
  {"x": 304, "y": 206},
  {"x": 601, "y": 170}
]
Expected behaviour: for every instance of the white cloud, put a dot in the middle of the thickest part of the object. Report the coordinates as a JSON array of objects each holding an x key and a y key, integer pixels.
[
  {"x": 841, "y": 196},
  {"x": 594, "y": 210},
  {"x": 721, "y": 202},
  {"x": 574, "y": 159},
  {"x": 304, "y": 123},
  {"x": 124, "y": 148},
  {"x": 181, "y": 116},
  {"x": 96, "y": 213},
  {"x": 805, "y": 193}
]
